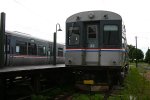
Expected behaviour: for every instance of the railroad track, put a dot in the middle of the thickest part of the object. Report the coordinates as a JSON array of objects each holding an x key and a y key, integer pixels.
[
  {"x": 68, "y": 93},
  {"x": 114, "y": 91}
]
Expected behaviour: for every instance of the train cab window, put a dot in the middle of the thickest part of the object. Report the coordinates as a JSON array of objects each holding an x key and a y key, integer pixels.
[
  {"x": 41, "y": 50},
  {"x": 32, "y": 49},
  {"x": 74, "y": 35},
  {"x": 60, "y": 52},
  {"x": 92, "y": 31},
  {"x": 21, "y": 47},
  {"x": 110, "y": 35}
]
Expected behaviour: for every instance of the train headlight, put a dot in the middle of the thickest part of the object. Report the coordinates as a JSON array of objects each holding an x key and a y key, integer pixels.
[
  {"x": 69, "y": 61},
  {"x": 114, "y": 62}
]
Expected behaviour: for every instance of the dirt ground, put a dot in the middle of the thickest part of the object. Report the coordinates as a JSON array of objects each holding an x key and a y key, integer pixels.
[{"x": 147, "y": 75}]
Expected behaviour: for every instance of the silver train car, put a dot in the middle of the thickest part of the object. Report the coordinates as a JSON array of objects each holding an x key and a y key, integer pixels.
[
  {"x": 96, "y": 40},
  {"x": 22, "y": 49}
]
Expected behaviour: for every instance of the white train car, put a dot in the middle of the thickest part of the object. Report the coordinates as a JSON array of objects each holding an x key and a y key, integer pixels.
[{"x": 96, "y": 40}]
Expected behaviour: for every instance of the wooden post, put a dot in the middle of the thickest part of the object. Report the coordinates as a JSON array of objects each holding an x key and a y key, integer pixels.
[
  {"x": 2, "y": 88},
  {"x": 36, "y": 83}
]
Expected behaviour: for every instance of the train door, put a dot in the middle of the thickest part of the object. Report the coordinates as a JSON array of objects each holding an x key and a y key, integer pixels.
[{"x": 92, "y": 51}]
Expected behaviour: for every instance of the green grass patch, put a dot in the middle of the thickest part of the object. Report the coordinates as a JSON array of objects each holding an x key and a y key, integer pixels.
[
  {"x": 88, "y": 97},
  {"x": 115, "y": 98},
  {"x": 39, "y": 97}
]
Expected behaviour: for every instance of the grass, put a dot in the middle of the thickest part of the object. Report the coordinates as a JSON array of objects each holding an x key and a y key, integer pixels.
[
  {"x": 136, "y": 85},
  {"x": 39, "y": 97}
]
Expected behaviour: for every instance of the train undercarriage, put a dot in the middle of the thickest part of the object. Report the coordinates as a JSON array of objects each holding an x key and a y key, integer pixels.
[{"x": 98, "y": 78}]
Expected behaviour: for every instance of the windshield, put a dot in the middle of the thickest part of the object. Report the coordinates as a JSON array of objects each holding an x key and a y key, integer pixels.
[
  {"x": 74, "y": 35},
  {"x": 110, "y": 35}
]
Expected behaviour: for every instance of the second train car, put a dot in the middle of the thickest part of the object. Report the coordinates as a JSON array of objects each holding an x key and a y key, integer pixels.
[
  {"x": 96, "y": 45},
  {"x": 22, "y": 49}
]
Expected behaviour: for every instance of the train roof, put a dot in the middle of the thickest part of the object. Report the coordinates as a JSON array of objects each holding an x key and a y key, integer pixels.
[
  {"x": 27, "y": 36},
  {"x": 94, "y": 15},
  {"x": 24, "y": 35}
]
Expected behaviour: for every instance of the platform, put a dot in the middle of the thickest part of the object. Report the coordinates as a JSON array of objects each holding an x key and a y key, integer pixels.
[{"x": 26, "y": 68}]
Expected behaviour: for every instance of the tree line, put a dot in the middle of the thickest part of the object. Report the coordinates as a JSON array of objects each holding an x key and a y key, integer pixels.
[{"x": 138, "y": 54}]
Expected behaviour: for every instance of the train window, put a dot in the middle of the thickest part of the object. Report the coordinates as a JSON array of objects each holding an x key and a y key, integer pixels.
[
  {"x": 60, "y": 52},
  {"x": 21, "y": 47},
  {"x": 17, "y": 49},
  {"x": 49, "y": 53},
  {"x": 74, "y": 35},
  {"x": 50, "y": 49},
  {"x": 4, "y": 48},
  {"x": 92, "y": 31},
  {"x": 110, "y": 35},
  {"x": 32, "y": 49},
  {"x": 44, "y": 49},
  {"x": 41, "y": 50},
  {"x": 110, "y": 28},
  {"x": 7, "y": 48}
]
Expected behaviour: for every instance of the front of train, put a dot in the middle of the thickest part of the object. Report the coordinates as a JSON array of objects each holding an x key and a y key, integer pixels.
[{"x": 94, "y": 40}]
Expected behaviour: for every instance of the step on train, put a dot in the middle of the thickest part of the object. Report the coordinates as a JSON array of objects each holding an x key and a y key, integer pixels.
[{"x": 96, "y": 47}]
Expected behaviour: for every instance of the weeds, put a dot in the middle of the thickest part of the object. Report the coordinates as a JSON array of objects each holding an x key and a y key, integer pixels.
[{"x": 136, "y": 86}]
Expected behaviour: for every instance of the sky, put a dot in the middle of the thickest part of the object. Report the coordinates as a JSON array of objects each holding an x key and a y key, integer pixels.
[{"x": 39, "y": 17}]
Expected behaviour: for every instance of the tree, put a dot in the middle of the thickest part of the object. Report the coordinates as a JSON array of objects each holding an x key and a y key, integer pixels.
[
  {"x": 133, "y": 55},
  {"x": 131, "y": 50},
  {"x": 147, "y": 56},
  {"x": 139, "y": 55}
]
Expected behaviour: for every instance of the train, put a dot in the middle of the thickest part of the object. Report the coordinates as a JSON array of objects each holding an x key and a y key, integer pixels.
[
  {"x": 96, "y": 47},
  {"x": 22, "y": 49}
]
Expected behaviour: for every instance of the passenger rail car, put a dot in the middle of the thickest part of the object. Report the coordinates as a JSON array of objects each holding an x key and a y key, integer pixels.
[
  {"x": 22, "y": 49},
  {"x": 96, "y": 40}
]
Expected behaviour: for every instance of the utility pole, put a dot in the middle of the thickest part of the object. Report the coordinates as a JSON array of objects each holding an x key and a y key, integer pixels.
[
  {"x": 2, "y": 38},
  {"x": 136, "y": 50}
]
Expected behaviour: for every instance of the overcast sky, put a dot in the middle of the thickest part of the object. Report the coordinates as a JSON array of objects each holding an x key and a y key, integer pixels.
[{"x": 39, "y": 17}]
